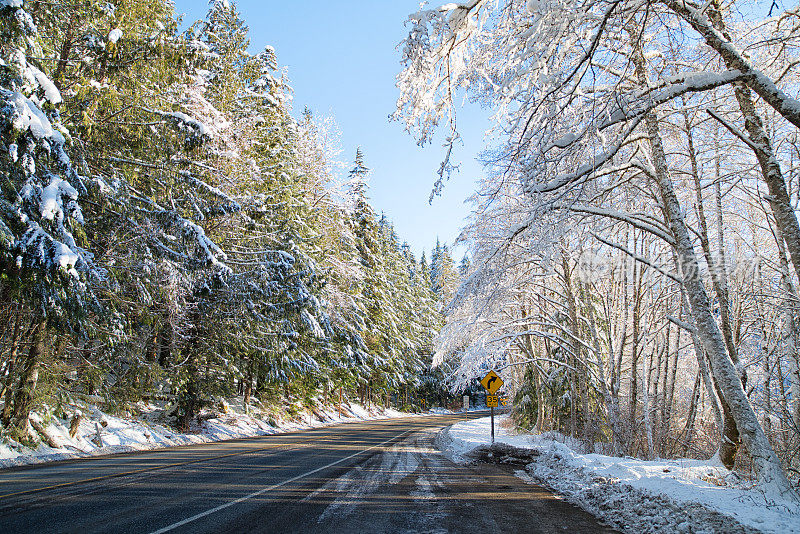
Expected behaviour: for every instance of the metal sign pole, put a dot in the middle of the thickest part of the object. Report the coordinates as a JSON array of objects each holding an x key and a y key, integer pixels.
[{"x": 492, "y": 425}]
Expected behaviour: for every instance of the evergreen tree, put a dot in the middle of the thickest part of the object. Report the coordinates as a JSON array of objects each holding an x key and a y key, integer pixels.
[
  {"x": 463, "y": 266},
  {"x": 46, "y": 265},
  {"x": 444, "y": 278}
]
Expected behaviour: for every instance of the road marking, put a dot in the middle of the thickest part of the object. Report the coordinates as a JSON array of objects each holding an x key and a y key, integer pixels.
[
  {"x": 270, "y": 488},
  {"x": 135, "y": 471},
  {"x": 199, "y": 460},
  {"x": 167, "y": 466}
]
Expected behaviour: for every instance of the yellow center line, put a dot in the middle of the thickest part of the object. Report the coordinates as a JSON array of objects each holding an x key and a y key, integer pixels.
[{"x": 167, "y": 466}]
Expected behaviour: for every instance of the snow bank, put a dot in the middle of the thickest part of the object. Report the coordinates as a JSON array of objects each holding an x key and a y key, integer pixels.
[
  {"x": 149, "y": 431},
  {"x": 636, "y": 495}
]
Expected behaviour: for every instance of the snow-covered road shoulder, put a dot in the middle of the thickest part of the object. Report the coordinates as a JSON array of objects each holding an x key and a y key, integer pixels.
[{"x": 634, "y": 495}]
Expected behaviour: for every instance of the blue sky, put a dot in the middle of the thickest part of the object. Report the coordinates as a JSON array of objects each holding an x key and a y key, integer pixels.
[{"x": 342, "y": 62}]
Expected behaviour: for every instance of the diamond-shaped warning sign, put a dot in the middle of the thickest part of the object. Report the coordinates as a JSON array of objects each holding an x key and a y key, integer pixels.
[{"x": 491, "y": 382}]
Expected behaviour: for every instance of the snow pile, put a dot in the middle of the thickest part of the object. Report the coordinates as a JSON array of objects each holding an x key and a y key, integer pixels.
[
  {"x": 636, "y": 495},
  {"x": 99, "y": 433}
]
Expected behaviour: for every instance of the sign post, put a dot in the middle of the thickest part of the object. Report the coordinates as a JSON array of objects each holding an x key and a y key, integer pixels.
[
  {"x": 466, "y": 406},
  {"x": 491, "y": 383}
]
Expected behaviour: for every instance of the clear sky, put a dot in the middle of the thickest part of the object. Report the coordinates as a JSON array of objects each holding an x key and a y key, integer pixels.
[{"x": 342, "y": 62}]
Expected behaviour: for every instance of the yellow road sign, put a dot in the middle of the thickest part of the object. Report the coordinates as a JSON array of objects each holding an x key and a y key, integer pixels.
[
  {"x": 491, "y": 382},
  {"x": 491, "y": 401},
  {"x": 503, "y": 401}
]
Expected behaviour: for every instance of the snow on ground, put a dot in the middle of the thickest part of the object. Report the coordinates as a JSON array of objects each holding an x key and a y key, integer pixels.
[
  {"x": 149, "y": 430},
  {"x": 636, "y": 495}
]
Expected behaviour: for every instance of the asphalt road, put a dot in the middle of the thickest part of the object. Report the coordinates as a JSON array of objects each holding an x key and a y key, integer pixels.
[{"x": 376, "y": 476}]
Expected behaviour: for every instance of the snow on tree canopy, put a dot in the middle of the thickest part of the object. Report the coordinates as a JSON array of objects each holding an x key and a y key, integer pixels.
[
  {"x": 40, "y": 210},
  {"x": 25, "y": 115},
  {"x": 51, "y": 201},
  {"x": 114, "y": 35},
  {"x": 51, "y": 92},
  {"x": 194, "y": 124}
]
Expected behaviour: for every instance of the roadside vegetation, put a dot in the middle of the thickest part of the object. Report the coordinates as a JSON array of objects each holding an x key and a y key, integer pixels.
[{"x": 635, "y": 246}]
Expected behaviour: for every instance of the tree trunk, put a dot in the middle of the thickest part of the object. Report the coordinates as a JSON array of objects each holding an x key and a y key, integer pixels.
[
  {"x": 579, "y": 382},
  {"x": 10, "y": 370},
  {"x": 589, "y": 313},
  {"x": 767, "y": 385},
  {"x": 648, "y": 427},
  {"x": 765, "y": 461},
  {"x": 793, "y": 337},
  {"x": 617, "y": 441},
  {"x": 655, "y": 406},
  {"x": 688, "y": 432},
  {"x": 165, "y": 344},
  {"x": 669, "y": 395},
  {"x": 248, "y": 381},
  {"x": 779, "y": 199},
  {"x": 730, "y": 439},
  {"x": 729, "y": 435},
  {"x": 709, "y": 384},
  {"x": 29, "y": 376},
  {"x": 635, "y": 353},
  {"x": 151, "y": 352},
  {"x": 66, "y": 47},
  {"x": 540, "y": 415},
  {"x": 702, "y": 367}
]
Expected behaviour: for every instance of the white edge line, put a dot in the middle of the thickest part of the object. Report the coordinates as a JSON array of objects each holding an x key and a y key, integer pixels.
[{"x": 270, "y": 488}]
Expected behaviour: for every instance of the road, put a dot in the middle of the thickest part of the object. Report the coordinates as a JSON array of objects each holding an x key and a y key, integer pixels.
[{"x": 376, "y": 476}]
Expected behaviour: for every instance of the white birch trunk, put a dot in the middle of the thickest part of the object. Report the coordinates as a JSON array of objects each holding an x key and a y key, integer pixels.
[
  {"x": 765, "y": 461},
  {"x": 648, "y": 427}
]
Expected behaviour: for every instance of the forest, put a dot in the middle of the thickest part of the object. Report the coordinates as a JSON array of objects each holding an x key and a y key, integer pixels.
[
  {"x": 171, "y": 229},
  {"x": 635, "y": 246}
]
